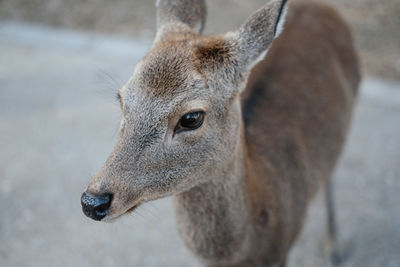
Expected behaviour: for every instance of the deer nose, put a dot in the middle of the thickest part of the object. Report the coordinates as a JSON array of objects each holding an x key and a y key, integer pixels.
[{"x": 96, "y": 207}]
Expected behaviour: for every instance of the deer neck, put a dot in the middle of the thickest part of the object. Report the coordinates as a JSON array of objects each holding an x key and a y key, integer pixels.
[{"x": 213, "y": 216}]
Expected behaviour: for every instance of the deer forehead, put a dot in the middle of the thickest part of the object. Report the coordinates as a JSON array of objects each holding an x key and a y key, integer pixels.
[
  {"x": 166, "y": 71},
  {"x": 178, "y": 65}
]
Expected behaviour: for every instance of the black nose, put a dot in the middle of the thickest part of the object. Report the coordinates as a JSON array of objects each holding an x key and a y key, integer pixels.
[{"x": 96, "y": 207}]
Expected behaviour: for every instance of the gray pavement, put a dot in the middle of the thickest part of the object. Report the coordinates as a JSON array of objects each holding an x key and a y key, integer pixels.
[{"x": 58, "y": 122}]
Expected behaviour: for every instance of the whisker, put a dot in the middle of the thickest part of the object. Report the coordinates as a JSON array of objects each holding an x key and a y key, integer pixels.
[{"x": 109, "y": 84}]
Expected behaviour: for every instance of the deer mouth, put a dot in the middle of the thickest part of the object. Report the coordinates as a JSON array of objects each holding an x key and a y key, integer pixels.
[
  {"x": 130, "y": 210},
  {"x": 112, "y": 218}
]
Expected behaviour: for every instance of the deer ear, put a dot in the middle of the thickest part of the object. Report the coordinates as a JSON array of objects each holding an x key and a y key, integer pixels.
[
  {"x": 180, "y": 16},
  {"x": 255, "y": 36}
]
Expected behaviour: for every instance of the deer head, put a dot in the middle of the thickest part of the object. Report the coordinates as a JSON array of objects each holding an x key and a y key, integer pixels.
[{"x": 180, "y": 111}]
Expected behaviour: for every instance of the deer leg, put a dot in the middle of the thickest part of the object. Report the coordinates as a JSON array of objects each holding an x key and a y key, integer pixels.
[{"x": 332, "y": 225}]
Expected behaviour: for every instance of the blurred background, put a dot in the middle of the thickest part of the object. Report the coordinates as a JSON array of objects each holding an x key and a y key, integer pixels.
[
  {"x": 375, "y": 22},
  {"x": 61, "y": 63}
]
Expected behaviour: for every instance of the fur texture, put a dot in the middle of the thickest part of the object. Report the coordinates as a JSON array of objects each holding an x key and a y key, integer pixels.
[{"x": 242, "y": 181}]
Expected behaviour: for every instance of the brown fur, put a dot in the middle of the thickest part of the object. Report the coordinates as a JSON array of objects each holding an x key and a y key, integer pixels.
[
  {"x": 213, "y": 52},
  {"x": 297, "y": 108},
  {"x": 243, "y": 180}
]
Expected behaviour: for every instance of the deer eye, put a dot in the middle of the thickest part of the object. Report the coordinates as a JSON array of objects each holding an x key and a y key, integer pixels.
[{"x": 190, "y": 121}]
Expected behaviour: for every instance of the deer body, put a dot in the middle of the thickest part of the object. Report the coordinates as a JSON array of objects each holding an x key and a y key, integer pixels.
[
  {"x": 243, "y": 179},
  {"x": 296, "y": 108}
]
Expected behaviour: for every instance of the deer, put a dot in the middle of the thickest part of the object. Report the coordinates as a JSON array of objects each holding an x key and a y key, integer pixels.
[{"x": 241, "y": 129}]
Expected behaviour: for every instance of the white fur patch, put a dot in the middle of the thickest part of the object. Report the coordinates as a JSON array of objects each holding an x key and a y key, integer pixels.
[
  {"x": 259, "y": 58},
  {"x": 282, "y": 18}
]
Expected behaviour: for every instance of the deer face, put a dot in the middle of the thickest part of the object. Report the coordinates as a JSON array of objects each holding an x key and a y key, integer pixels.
[
  {"x": 180, "y": 115},
  {"x": 174, "y": 131}
]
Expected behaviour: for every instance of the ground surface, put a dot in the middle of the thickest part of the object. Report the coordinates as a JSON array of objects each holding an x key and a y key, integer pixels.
[
  {"x": 58, "y": 122},
  {"x": 375, "y": 22}
]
